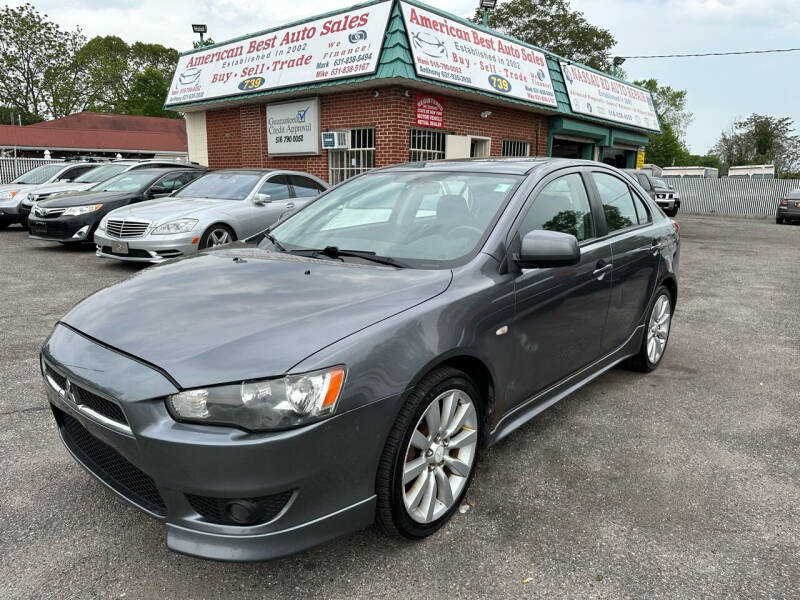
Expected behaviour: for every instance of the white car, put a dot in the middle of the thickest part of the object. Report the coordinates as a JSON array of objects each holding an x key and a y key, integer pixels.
[{"x": 217, "y": 208}]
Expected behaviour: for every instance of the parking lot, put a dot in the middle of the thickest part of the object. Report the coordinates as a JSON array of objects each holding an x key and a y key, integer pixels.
[{"x": 681, "y": 484}]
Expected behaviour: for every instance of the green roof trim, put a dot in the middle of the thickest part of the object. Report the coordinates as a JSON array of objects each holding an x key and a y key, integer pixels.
[
  {"x": 562, "y": 125},
  {"x": 619, "y": 136},
  {"x": 396, "y": 63}
]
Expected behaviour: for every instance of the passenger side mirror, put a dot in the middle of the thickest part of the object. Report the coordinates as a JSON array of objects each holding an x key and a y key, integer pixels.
[
  {"x": 262, "y": 199},
  {"x": 541, "y": 249}
]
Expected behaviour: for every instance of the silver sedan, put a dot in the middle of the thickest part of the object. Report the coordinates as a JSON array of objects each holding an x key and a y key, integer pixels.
[{"x": 215, "y": 209}]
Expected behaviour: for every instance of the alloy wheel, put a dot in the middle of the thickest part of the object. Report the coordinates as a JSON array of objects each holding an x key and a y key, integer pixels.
[
  {"x": 218, "y": 237},
  {"x": 658, "y": 329},
  {"x": 440, "y": 456}
]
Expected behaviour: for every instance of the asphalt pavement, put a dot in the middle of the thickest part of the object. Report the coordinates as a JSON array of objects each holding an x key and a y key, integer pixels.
[{"x": 684, "y": 483}]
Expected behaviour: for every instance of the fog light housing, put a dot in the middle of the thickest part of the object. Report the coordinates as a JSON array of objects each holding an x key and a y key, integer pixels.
[
  {"x": 81, "y": 233},
  {"x": 242, "y": 512}
]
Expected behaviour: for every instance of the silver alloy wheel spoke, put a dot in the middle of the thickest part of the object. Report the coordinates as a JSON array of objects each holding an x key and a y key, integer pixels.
[
  {"x": 658, "y": 329},
  {"x": 440, "y": 456}
]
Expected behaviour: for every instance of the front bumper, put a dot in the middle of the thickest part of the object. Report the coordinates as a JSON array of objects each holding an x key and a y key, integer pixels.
[
  {"x": 670, "y": 203},
  {"x": 149, "y": 248},
  {"x": 324, "y": 473},
  {"x": 789, "y": 212},
  {"x": 62, "y": 229},
  {"x": 9, "y": 213}
]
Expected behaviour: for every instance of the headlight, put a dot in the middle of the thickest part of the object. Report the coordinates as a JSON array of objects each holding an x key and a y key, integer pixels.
[
  {"x": 177, "y": 226},
  {"x": 103, "y": 223},
  {"x": 282, "y": 403},
  {"x": 8, "y": 195},
  {"x": 74, "y": 211}
]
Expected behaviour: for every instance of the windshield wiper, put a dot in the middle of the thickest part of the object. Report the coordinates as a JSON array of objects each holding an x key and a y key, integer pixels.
[
  {"x": 275, "y": 242},
  {"x": 335, "y": 252}
]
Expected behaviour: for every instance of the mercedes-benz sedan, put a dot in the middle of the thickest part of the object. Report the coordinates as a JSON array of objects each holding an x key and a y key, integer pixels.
[
  {"x": 261, "y": 399},
  {"x": 219, "y": 208}
]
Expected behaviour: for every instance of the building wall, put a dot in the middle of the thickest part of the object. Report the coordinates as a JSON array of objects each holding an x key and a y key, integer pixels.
[
  {"x": 196, "y": 137},
  {"x": 237, "y": 135}
]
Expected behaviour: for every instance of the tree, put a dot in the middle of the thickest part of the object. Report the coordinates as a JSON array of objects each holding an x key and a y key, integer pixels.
[
  {"x": 553, "y": 25},
  {"x": 667, "y": 148},
  {"x": 146, "y": 95},
  {"x": 699, "y": 160},
  {"x": 206, "y": 42},
  {"x": 760, "y": 139}
]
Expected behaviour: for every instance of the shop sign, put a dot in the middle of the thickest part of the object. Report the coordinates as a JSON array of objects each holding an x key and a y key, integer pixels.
[
  {"x": 640, "y": 158},
  {"x": 342, "y": 45},
  {"x": 430, "y": 112},
  {"x": 293, "y": 127},
  {"x": 605, "y": 98},
  {"x": 448, "y": 50}
]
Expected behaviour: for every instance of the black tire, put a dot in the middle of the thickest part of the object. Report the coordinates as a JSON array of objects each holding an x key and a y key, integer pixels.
[
  {"x": 671, "y": 212},
  {"x": 641, "y": 361},
  {"x": 779, "y": 220},
  {"x": 4, "y": 224},
  {"x": 392, "y": 514},
  {"x": 205, "y": 238}
]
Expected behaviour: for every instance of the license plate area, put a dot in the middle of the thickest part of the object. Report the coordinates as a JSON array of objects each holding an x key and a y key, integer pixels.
[
  {"x": 119, "y": 247},
  {"x": 37, "y": 226}
]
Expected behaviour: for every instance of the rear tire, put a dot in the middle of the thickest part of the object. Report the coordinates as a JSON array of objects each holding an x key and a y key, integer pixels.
[
  {"x": 216, "y": 235},
  {"x": 779, "y": 220},
  {"x": 429, "y": 459},
  {"x": 671, "y": 212},
  {"x": 656, "y": 334}
]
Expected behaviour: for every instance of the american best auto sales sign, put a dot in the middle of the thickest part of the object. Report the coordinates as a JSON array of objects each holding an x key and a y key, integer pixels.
[
  {"x": 593, "y": 94},
  {"x": 451, "y": 51},
  {"x": 343, "y": 45}
]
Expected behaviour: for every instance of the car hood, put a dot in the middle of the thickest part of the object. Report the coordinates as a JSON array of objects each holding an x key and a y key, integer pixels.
[
  {"x": 18, "y": 186},
  {"x": 85, "y": 198},
  {"x": 209, "y": 319},
  {"x": 167, "y": 209},
  {"x": 57, "y": 188}
]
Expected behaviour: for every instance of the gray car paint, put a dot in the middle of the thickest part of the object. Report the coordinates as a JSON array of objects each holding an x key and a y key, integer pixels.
[{"x": 161, "y": 330}]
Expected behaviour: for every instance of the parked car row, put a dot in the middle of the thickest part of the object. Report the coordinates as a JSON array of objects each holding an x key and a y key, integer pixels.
[{"x": 150, "y": 211}]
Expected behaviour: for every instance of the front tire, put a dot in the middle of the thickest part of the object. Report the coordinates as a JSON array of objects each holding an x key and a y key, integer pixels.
[
  {"x": 779, "y": 220},
  {"x": 656, "y": 334},
  {"x": 216, "y": 235},
  {"x": 671, "y": 212},
  {"x": 430, "y": 455}
]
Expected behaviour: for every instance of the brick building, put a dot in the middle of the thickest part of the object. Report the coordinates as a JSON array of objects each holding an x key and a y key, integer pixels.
[{"x": 429, "y": 85}]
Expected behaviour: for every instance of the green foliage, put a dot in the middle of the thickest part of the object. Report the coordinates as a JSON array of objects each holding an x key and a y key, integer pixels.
[
  {"x": 699, "y": 160},
  {"x": 667, "y": 148},
  {"x": 553, "y": 25},
  {"x": 206, "y": 42},
  {"x": 760, "y": 139},
  {"x": 50, "y": 73}
]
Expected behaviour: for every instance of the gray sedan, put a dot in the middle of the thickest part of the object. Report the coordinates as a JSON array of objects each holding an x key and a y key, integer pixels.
[{"x": 216, "y": 209}]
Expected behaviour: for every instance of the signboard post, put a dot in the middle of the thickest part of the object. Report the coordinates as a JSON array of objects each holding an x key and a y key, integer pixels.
[
  {"x": 605, "y": 98},
  {"x": 343, "y": 45},
  {"x": 293, "y": 128},
  {"x": 451, "y": 51}
]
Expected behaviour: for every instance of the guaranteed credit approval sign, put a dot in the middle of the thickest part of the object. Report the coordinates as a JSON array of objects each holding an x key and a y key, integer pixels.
[
  {"x": 342, "y": 45},
  {"x": 593, "y": 94},
  {"x": 451, "y": 51}
]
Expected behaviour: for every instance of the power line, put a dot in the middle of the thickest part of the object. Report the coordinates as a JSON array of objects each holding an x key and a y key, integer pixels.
[{"x": 714, "y": 53}]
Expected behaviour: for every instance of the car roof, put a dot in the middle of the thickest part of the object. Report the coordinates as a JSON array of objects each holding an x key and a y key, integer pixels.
[{"x": 500, "y": 166}]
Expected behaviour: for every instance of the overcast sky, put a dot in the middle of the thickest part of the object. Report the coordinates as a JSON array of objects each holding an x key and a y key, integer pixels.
[{"x": 720, "y": 88}]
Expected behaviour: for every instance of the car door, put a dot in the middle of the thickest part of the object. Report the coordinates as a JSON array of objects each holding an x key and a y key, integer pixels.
[
  {"x": 165, "y": 185},
  {"x": 265, "y": 214},
  {"x": 560, "y": 312},
  {"x": 305, "y": 190},
  {"x": 635, "y": 250}
]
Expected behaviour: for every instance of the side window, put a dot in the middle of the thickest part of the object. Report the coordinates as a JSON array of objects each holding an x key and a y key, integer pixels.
[
  {"x": 71, "y": 174},
  {"x": 305, "y": 187},
  {"x": 644, "y": 181},
  {"x": 641, "y": 210},
  {"x": 171, "y": 182},
  {"x": 617, "y": 202},
  {"x": 562, "y": 205},
  {"x": 277, "y": 187}
]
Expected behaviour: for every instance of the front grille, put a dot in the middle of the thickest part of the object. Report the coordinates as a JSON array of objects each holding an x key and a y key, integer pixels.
[
  {"x": 214, "y": 509},
  {"x": 122, "y": 228},
  {"x": 57, "y": 377},
  {"x": 107, "y": 464},
  {"x": 98, "y": 404},
  {"x": 48, "y": 213}
]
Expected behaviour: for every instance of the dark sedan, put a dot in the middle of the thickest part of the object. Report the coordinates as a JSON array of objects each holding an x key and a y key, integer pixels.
[
  {"x": 74, "y": 217},
  {"x": 349, "y": 364},
  {"x": 788, "y": 208}
]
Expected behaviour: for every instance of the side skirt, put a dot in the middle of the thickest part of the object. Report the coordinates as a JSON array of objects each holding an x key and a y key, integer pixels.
[{"x": 525, "y": 411}]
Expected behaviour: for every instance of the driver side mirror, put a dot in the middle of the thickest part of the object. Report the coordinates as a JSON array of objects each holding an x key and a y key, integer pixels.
[
  {"x": 157, "y": 191},
  {"x": 261, "y": 199},
  {"x": 542, "y": 249}
]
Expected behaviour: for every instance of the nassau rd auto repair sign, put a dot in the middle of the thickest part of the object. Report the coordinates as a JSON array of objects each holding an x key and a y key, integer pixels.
[
  {"x": 593, "y": 94},
  {"x": 342, "y": 45},
  {"x": 451, "y": 51}
]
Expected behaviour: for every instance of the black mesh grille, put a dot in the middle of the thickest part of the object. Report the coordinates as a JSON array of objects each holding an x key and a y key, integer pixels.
[
  {"x": 213, "y": 509},
  {"x": 98, "y": 404},
  {"x": 109, "y": 465}
]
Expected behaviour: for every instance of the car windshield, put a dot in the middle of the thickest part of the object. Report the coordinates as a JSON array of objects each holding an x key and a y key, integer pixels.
[
  {"x": 223, "y": 186},
  {"x": 99, "y": 174},
  {"x": 660, "y": 183},
  {"x": 420, "y": 218},
  {"x": 132, "y": 181},
  {"x": 40, "y": 174}
]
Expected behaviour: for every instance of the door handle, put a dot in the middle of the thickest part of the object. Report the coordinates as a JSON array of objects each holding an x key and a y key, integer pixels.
[
  {"x": 290, "y": 205},
  {"x": 602, "y": 269}
]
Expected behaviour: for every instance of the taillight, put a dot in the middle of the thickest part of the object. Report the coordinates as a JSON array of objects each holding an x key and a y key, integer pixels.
[
  {"x": 676, "y": 227},
  {"x": 784, "y": 202}
]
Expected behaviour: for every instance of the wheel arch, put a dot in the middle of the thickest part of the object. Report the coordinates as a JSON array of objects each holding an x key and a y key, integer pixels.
[
  {"x": 226, "y": 224},
  {"x": 671, "y": 284}
]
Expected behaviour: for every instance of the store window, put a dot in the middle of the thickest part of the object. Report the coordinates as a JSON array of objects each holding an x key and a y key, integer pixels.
[
  {"x": 426, "y": 145},
  {"x": 516, "y": 148},
  {"x": 360, "y": 157}
]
